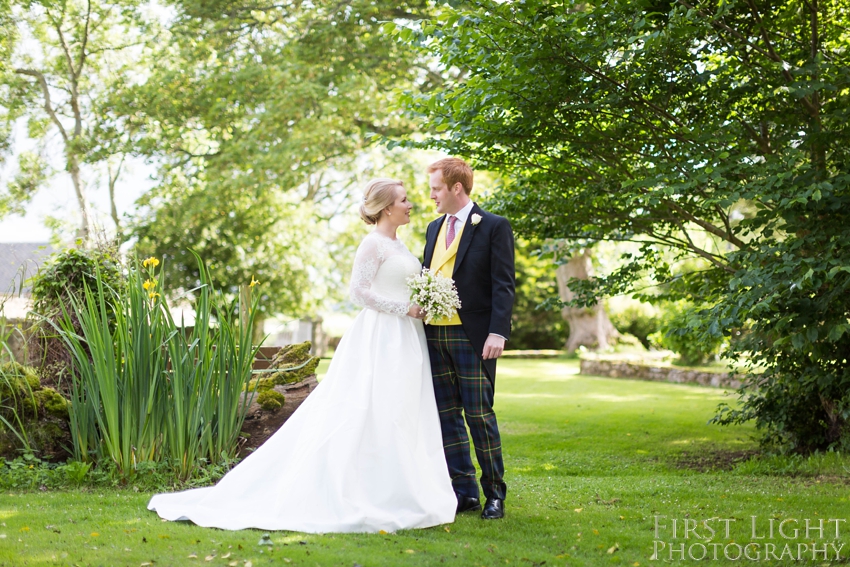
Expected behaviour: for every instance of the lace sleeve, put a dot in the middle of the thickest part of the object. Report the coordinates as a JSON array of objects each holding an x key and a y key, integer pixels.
[{"x": 366, "y": 263}]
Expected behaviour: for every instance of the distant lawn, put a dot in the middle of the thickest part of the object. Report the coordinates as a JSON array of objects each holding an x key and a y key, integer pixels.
[{"x": 590, "y": 463}]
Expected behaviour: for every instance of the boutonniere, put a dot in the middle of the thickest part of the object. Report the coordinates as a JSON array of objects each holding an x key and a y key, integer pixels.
[{"x": 476, "y": 218}]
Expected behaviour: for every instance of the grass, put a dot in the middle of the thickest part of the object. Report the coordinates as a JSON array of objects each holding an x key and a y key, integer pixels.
[{"x": 590, "y": 463}]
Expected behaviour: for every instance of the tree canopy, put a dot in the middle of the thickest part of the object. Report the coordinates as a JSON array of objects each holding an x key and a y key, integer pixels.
[
  {"x": 715, "y": 130},
  {"x": 257, "y": 112},
  {"x": 59, "y": 62},
  {"x": 256, "y": 116}
]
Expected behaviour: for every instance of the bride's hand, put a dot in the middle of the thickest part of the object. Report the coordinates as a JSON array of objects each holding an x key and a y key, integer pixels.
[{"x": 416, "y": 312}]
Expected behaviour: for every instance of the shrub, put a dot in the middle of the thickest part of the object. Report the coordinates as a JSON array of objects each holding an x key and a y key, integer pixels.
[
  {"x": 532, "y": 326},
  {"x": 66, "y": 273},
  {"x": 680, "y": 331},
  {"x": 635, "y": 318},
  {"x": 63, "y": 278}
]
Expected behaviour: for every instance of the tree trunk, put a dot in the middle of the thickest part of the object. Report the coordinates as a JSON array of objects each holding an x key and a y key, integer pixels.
[
  {"x": 259, "y": 329},
  {"x": 588, "y": 326},
  {"x": 113, "y": 210},
  {"x": 319, "y": 339},
  {"x": 85, "y": 224}
]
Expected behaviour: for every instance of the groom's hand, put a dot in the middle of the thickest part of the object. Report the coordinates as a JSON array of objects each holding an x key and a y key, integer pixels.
[{"x": 493, "y": 347}]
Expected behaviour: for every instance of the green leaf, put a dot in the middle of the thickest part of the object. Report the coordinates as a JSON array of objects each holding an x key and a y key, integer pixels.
[{"x": 837, "y": 331}]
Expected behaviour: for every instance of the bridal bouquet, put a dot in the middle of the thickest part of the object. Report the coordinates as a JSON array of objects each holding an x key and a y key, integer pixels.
[{"x": 436, "y": 294}]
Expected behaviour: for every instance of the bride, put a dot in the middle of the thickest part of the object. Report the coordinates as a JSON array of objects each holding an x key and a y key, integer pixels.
[{"x": 364, "y": 451}]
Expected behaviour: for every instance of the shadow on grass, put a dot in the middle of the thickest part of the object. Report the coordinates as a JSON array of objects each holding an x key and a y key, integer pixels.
[{"x": 713, "y": 459}]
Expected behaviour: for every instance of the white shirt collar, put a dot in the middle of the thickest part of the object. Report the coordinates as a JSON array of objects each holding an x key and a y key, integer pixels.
[{"x": 463, "y": 214}]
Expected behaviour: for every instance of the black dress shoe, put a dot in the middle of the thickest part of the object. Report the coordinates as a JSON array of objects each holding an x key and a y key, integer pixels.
[
  {"x": 467, "y": 504},
  {"x": 494, "y": 509}
]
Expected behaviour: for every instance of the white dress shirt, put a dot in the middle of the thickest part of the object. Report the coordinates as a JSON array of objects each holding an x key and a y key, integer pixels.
[{"x": 460, "y": 217}]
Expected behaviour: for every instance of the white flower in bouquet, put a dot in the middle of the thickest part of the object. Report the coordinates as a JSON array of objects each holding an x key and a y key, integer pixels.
[{"x": 436, "y": 294}]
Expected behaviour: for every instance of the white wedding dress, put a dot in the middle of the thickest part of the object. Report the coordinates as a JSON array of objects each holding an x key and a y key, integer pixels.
[{"x": 364, "y": 451}]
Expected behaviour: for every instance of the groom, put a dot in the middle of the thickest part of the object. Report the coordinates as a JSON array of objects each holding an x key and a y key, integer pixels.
[{"x": 476, "y": 249}]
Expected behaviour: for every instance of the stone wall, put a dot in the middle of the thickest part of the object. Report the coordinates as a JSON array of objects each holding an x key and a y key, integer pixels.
[
  {"x": 16, "y": 333},
  {"x": 638, "y": 371},
  {"x": 532, "y": 353}
]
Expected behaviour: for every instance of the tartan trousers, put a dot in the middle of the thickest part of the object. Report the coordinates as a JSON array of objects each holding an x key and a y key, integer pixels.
[{"x": 463, "y": 388}]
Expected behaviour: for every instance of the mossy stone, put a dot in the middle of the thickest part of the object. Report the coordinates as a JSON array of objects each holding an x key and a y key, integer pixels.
[
  {"x": 26, "y": 373},
  {"x": 22, "y": 378},
  {"x": 293, "y": 376},
  {"x": 52, "y": 402},
  {"x": 48, "y": 437},
  {"x": 41, "y": 414},
  {"x": 46, "y": 433},
  {"x": 260, "y": 384},
  {"x": 18, "y": 384},
  {"x": 271, "y": 400},
  {"x": 293, "y": 356}
]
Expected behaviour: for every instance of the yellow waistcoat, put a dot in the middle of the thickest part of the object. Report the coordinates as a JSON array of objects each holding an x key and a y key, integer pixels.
[{"x": 443, "y": 262}]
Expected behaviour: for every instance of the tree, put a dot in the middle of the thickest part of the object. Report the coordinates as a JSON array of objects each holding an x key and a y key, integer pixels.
[
  {"x": 60, "y": 60},
  {"x": 532, "y": 325},
  {"x": 260, "y": 114},
  {"x": 249, "y": 235},
  {"x": 589, "y": 324},
  {"x": 715, "y": 131}
]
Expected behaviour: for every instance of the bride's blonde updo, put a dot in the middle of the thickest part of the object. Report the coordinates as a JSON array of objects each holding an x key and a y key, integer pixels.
[{"x": 379, "y": 194}]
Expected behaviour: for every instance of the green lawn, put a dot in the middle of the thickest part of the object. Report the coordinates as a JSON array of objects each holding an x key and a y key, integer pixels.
[{"x": 590, "y": 463}]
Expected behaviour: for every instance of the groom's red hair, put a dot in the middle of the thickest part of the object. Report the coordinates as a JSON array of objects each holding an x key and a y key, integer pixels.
[{"x": 455, "y": 170}]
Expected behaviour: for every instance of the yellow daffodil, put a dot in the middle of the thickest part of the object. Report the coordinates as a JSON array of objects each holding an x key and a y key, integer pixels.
[
  {"x": 253, "y": 282},
  {"x": 153, "y": 294},
  {"x": 149, "y": 284},
  {"x": 151, "y": 262}
]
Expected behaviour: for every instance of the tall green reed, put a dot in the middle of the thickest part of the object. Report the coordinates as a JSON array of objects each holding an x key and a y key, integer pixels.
[
  {"x": 145, "y": 388},
  {"x": 211, "y": 364},
  {"x": 118, "y": 371}
]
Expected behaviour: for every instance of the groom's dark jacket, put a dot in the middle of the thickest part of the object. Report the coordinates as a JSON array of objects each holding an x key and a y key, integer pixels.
[{"x": 484, "y": 276}]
